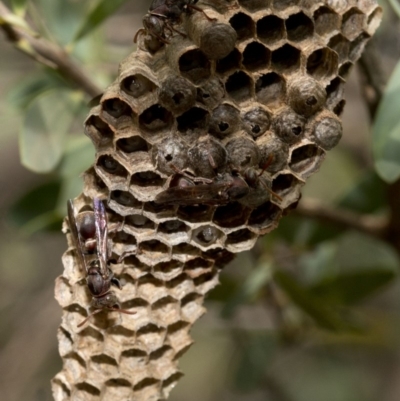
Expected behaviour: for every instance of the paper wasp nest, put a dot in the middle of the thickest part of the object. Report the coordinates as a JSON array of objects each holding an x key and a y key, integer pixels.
[{"x": 260, "y": 86}]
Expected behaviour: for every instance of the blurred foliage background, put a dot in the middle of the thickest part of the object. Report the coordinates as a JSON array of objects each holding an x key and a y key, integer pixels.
[{"x": 312, "y": 313}]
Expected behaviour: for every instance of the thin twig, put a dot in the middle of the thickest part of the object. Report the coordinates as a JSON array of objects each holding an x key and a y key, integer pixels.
[
  {"x": 46, "y": 53},
  {"x": 369, "y": 224}
]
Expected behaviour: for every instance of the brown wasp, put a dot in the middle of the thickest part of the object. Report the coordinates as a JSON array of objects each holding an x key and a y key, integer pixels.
[
  {"x": 163, "y": 15},
  {"x": 90, "y": 235}
]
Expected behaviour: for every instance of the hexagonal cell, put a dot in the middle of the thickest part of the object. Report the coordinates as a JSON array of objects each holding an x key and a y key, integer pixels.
[
  {"x": 153, "y": 247},
  {"x": 374, "y": 20},
  {"x": 230, "y": 62},
  {"x": 168, "y": 270},
  {"x": 125, "y": 199},
  {"x": 339, "y": 108},
  {"x": 206, "y": 235},
  {"x": 211, "y": 93},
  {"x": 335, "y": 92},
  {"x": 283, "y": 4},
  {"x": 159, "y": 209},
  {"x": 274, "y": 153},
  {"x": 345, "y": 69},
  {"x": 326, "y": 21},
  {"x": 299, "y": 27},
  {"x": 224, "y": 120},
  {"x": 265, "y": 216},
  {"x": 169, "y": 383},
  {"x": 289, "y": 126},
  {"x": 306, "y": 160},
  {"x": 271, "y": 29},
  {"x": 87, "y": 388},
  {"x": 177, "y": 94},
  {"x": 240, "y": 236},
  {"x": 185, "y": 251},
  {"x": 195, "y": 66},
  {"x": 230, "y": 216},
  {"x": 194, "y": 121},
  {"x": 147, "y": 179},
  {"x": 220, "y": 256},
  {"x": 283, "y": 184},
  {"x": 306, "y": 96},
  {"x": 98, "y": 130},
  {"x": 243, "y": 153},
  {"x": 327, "y": 132},
  {"x": 341, "y": 46},
  {"x": 195, "y": 214},
  {"x": 121, "y": 237},
  {"x": 353, "y": 22},
  {"x": 239, "y": 86},
  {"x": 205, "y": 282},
  {"x": 155, "y": 118},
  {"x": 256, "y": 122},
  {"x": 322, "y": 64},
  {"x": 243, "y": 25},
  {"x": 116, "y": 108},
  {"x": 256, "y": 56},
  {"x": 150, "y": 335},
  {"x": 139, "y": 221},
  {"x": 357, "y": 46},
  {"x": 285, "y": 59},
  {"x": 132, "y": 144},
  {"x": 111, "y": 166},
  {"x": 254, "y": 5},
  {"x": 270, "y": 89},
  {"x": 195, "y": 267},
  {"x": 137, "y": 85},
  {"x": 173, "y": 227}
]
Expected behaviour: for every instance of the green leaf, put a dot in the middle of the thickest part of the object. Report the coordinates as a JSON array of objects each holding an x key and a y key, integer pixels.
[
  {"x": 102, "y": 10},
  {"x": 257, "y": 351},
  {"x": 255, "y": 281},
  {"x": 324, "y": 314},
  {"x": 19, "y": 6},
  {"x": 38, "y": 202},
  {"x": 353, "y": 287},
  {"x": 386, "y": 131},
  {"x": 45, "y": 126}
]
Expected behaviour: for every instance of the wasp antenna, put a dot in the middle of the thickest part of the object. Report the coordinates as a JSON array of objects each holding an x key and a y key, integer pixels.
[{"x": 90, "y": 315}]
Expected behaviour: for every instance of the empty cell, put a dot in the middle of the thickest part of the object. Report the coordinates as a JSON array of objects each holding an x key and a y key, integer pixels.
[
  {"x": 88, "y": 388},
  {"x": 338, "y": 109},
  {"x": 195, "y": 214},
  {"x": 111, "y": 166},
  {"x": 98, "y": 130},
  {"x": 230, "y": 62},
  {"x": 306, "y": 160},
  {"x": 254, "y": 5},
  {"x": 125, "y": 199},
  {"x": 374, "y": 20},
  {"x": 239, "y": 86},
  {"x": 357, "y": 47},
  {"x": 265, "y": 216},
  {"x": 221, "y": 257},
  {"x": 137, "y": 85},
  {"x": 154, "y": 247},
  {"x": 231, "y": 215},
  {"x": 256, "y": 122},
  {"x": 334, "y": 92},
  {"x": 353, "y": 22},
  {"x": 116, "y": 108},
  {"x": 284, "y": 183},
  {"x": 243, "y": 25},
  {"x": 270, "y": 89},
  {"x": 132, "y": 144},
  {"x": 206, "y": 235},
  {"x": 286, "y": 59},
  {"x": 195, "y": 66},
  {"x": 322, "y": 64},
  {"x": 341, "y": 46},
  {"x": 256, "y": 56},
  {"x": 225, "y": 119},
  {"x": 239, "y": 236},
  {"x": 345, "y": 69},
  {"x": 299, "y": 27},
  {"x": 271, "y": 29},
  {"x": 147, "y": 179},
  {"x": 155, "y": 118},
  {"x": 194, "y": 120},
  {"x": 177, "y": 94},
  {"x": 173, "y": 227},
  {"x": 326, "y": 21}
]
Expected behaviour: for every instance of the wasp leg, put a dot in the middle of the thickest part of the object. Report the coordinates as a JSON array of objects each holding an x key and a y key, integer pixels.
[
  {"x": 200, "y": 10},
  {"x": 89, "y": 316},
  {"x": 169, "y": 26},
  {"x": 141, "y": 30}
]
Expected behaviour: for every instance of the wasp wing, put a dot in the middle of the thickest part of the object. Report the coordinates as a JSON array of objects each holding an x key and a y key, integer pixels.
[
  {"x": 100, "y": 218},
  {"x": 75, "y": 235}
]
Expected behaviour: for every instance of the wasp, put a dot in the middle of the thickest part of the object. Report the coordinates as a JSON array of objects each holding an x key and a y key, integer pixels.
[
  {"x": 163, "y": 15},
  {"x": 89, "y": 231}
]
